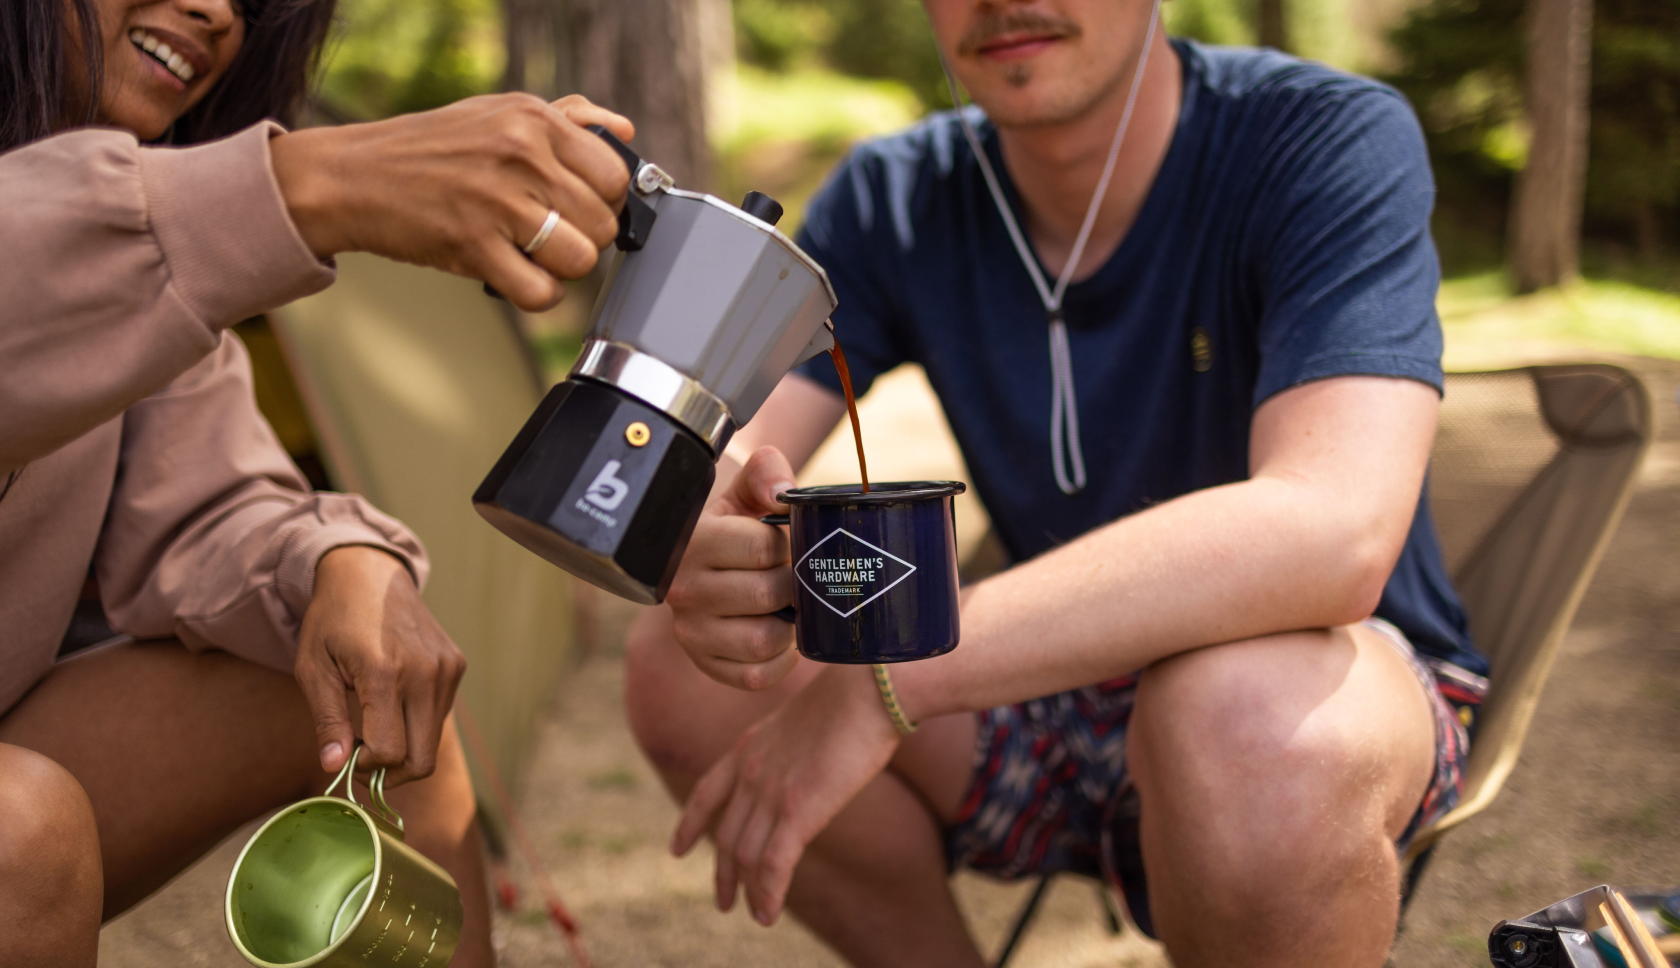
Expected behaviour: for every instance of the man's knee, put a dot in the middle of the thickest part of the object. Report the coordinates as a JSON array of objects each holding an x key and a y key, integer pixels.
[
  {"x": 49, "y": 841},
  {"x": 1252, "y": 741},
  {"x": 660, "y": 699},
  {"x": 682, "y": 719}
]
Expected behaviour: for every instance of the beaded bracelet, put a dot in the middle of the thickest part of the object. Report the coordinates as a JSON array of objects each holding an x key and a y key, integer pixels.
[{"x": 889, "y": 698}]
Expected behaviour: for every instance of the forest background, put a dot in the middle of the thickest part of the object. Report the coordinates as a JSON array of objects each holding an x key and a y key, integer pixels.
[{"x": 769, "y": 94}]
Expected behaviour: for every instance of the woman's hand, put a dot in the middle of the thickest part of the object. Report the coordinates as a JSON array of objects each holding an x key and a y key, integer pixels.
[
  {"x": 367, "y": 632},
  {"x": 786, "y": 778},
  {"x": 733, "y": 577},
  {"x": 463, "y": 188}
]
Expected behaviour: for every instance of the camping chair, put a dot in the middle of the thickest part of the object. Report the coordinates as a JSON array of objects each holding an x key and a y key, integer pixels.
[
  {"x": 1530, "y": 472},
  {"x": 414, "y": 381}
]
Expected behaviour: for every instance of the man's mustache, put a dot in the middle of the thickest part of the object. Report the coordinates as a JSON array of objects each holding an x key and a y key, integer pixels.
[{"x": 994, "y": 23}]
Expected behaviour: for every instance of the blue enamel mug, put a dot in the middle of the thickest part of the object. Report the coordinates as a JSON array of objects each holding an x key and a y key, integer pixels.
[{"x": 875, "y": 575}]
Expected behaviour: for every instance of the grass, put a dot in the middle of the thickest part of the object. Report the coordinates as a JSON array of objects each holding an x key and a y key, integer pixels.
[
  {"x": 1467, "y": 943},
  {"x": 750, "y": 106},
  {"x": 1652, "y": 817},
  {"x": 781, "y": 134},
  {"x": 1486, "y": 844},
  {"x": 619, "y": 779},
  {"x": 1484, "y": 322},
  {"x": 1592, "y": 868}
]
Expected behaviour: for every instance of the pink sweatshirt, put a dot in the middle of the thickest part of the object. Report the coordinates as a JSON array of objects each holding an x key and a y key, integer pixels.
[{"x": 129, "y": 436}]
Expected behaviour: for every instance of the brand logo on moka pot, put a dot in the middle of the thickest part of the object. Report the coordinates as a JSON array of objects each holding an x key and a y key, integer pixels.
[
  {"x": 606, "y": 492},
  {"x": 846, "y": 572}
]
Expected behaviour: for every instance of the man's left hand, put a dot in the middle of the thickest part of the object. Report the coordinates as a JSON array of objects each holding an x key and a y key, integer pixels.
[
  {"x": 368, "y": 633},
  {"x": 785, "y": 779}
]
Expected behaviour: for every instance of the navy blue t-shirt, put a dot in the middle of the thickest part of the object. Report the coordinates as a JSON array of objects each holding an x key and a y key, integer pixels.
[{"x": 1287, "y": 233}]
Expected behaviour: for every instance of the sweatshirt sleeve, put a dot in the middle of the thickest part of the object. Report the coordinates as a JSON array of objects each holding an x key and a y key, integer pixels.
[
  {"x": 212, "y": 535},
  {"x": 122, "y": 265}
]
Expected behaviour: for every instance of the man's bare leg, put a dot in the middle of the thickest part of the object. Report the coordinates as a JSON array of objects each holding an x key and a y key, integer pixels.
[
  {"x": 173, "y": 751},
  {"x": 1274, "y": 775},
  {"x": 874, "y": 884}
]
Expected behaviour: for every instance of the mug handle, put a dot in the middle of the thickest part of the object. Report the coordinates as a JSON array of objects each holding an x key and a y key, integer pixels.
[
  {"x": 786, "y": 613},
  {"x": 376, "y": 788}
]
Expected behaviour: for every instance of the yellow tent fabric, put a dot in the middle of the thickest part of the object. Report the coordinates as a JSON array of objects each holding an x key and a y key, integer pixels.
[{"x": 415, "y": 381}]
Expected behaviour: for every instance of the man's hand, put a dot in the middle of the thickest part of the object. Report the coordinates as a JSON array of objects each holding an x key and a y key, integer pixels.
[
  {"x": 734, "y": 576},
  {"x": 786, "y": 778},
  {"x": 463, "y": 188},
  {"x": 367, "y": 632}
]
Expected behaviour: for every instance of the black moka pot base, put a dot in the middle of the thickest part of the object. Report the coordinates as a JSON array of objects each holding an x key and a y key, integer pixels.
[{"x": 602, "y": 485}]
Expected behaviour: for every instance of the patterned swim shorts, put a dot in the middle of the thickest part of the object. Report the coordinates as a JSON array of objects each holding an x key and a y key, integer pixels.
[{"x": 1051, "y": 792}]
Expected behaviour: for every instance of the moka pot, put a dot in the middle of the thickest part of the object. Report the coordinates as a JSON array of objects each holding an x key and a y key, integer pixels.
[{"x": 706, "y": 306}]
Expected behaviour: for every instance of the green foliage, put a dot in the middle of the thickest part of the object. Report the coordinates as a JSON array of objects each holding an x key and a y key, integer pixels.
[
  {"x": 863, "y": 38},
  {"x": 1636, "y": 110},
  {"x": 394, "y": 56},
  {"x": 892, "y": 39},
  {"x": 889, "y": 39},
  {"x": 1211, "y": 21},
  {"x": 1461, "y": 64},
  {"x": 782, "y": 133},
  {"x": 779, "y": 35}
]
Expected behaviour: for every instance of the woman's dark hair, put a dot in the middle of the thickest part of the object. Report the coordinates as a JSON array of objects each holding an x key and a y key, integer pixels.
[{"x": 268, "y": 79}]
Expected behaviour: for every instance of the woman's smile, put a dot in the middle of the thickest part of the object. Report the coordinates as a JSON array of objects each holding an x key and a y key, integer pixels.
[
  {"x": 170, "y": 51},
  {"x": 162, "y": 57}
]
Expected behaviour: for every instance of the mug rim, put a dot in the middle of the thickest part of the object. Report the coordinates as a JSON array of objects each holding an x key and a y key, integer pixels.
[
  {"x": 315, "y": 959},
  {"x": 884, "y": 492}
]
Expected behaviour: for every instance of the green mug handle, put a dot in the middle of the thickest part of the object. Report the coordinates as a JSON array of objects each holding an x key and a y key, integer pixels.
[{"x": 376, "y": 789}]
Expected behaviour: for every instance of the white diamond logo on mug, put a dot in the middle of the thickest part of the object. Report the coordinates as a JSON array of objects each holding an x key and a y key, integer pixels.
[{"x": 846, "y": 572}]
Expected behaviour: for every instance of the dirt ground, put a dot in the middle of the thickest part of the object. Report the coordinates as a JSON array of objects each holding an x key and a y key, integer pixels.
[{"x": 1593, "y": 799}]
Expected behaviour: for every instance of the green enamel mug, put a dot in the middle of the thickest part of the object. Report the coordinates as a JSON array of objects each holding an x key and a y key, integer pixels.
[{"x": 329, "y": 882}]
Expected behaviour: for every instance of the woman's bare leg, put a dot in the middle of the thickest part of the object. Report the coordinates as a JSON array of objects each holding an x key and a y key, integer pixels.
[
  {"x": 175, "y": 750},
  {"x": 49, "y": 865}
]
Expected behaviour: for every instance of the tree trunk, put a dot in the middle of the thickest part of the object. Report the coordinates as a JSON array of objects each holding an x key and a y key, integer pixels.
[
  {"x": 1273, "y": 29},
  {"x": 1544, "y": 233},
  {"x": 646, "y": 59}
]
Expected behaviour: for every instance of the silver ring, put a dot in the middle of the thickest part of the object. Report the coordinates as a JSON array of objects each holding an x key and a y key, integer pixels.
[{"x": 543, "y": 233}]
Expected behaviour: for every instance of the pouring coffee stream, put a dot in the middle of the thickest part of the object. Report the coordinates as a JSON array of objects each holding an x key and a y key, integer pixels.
[{"x": 840, "y": 367}]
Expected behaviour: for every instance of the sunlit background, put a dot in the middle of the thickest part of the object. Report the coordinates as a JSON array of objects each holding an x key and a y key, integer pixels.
[
  {"x": 769, "y": 95},
  {"x": 788, "y": 85}
]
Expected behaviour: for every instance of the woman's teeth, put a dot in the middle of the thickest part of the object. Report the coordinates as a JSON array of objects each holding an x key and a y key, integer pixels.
[{"x": 160, "y": 51}]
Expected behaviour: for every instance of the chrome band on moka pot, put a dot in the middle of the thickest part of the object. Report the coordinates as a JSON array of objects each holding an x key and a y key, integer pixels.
[
  {"x": 705, "y": 308},
  {"x": 659, "y": 385}
]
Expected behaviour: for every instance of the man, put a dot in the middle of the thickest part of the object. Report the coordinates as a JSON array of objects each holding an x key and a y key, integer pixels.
[{"x": 1252, "y": 357}]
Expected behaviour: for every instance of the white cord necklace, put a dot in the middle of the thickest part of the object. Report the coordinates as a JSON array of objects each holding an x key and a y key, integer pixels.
[{"x": 1064, "y": 411}]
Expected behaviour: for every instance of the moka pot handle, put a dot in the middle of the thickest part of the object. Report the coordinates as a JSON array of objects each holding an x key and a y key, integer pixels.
[{"x": 635, "y": 219}]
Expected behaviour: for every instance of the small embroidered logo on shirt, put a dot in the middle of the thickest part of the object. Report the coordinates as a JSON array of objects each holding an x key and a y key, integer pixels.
[{"x": 1201, "y": 350}]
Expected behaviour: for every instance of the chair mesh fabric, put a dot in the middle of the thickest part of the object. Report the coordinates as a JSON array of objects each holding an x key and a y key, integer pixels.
[{"x": 1530, "y": 472}]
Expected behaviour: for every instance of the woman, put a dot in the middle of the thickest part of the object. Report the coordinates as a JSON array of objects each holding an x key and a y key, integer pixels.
[{"x": 270, "y": 627}]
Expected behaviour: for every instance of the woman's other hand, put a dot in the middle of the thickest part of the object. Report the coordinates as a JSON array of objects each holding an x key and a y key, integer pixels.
[
  {"x": 464, "y": 188},
  {"x": 368, "y": 635}
]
